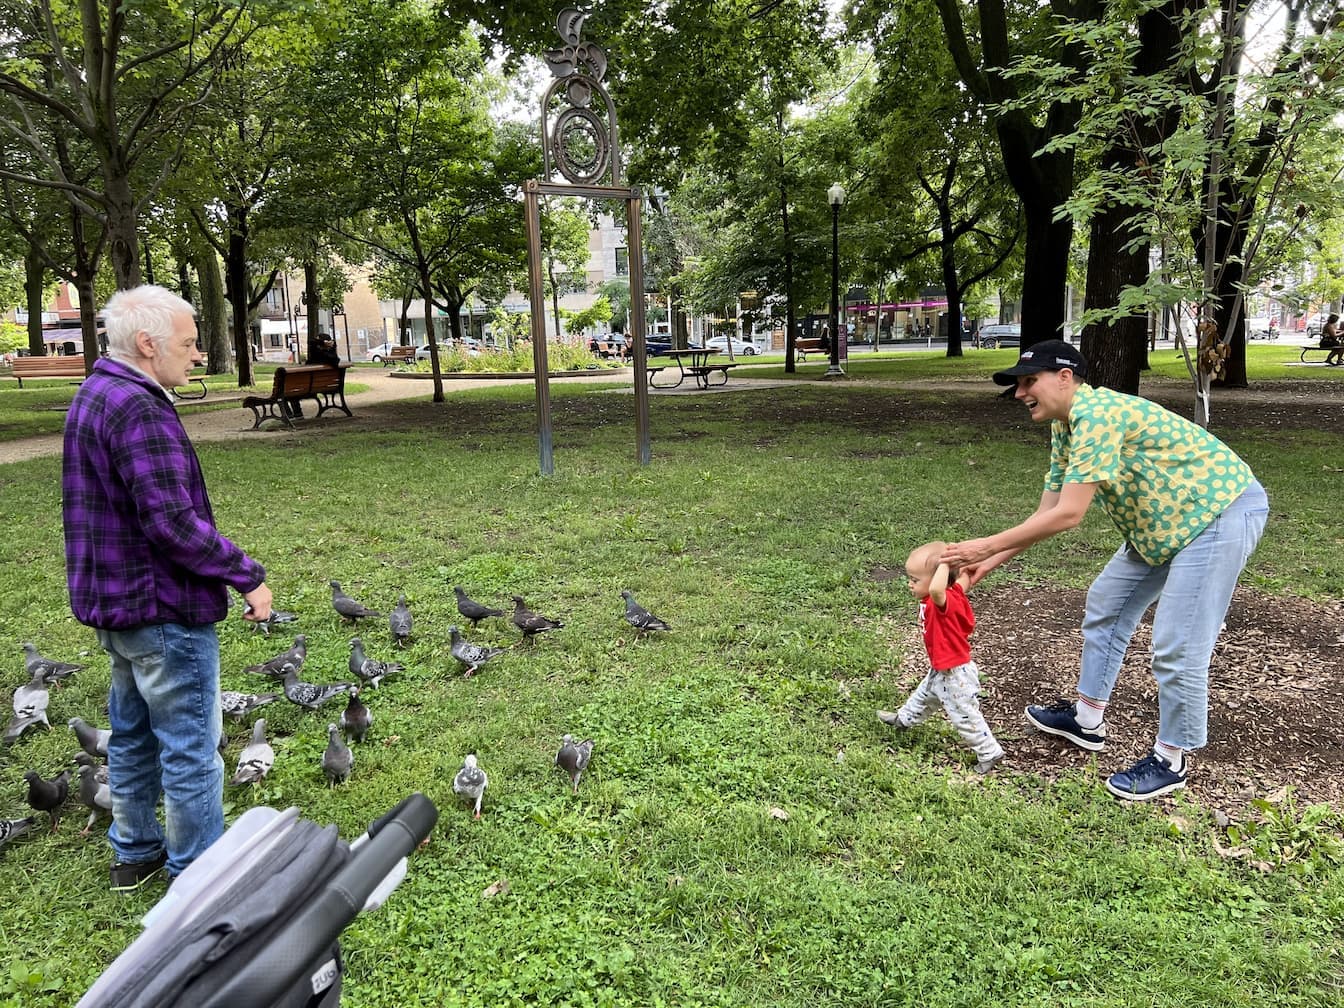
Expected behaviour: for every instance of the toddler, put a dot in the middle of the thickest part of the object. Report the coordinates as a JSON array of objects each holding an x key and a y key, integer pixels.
[{"x": 946, "y": 622}]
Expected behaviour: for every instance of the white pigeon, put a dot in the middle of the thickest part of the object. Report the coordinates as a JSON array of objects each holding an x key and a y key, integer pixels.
[
  {"x": 257, "y": 757},
  {"x": 30, "y": 708},
  {"x": 470, "y": 783}
]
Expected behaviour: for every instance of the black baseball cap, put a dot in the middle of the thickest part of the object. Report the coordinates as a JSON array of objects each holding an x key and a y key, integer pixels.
[{"x": 1048, "y": 355}]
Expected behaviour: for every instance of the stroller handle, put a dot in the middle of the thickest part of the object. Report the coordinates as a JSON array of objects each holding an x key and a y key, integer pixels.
[{"x": 311, "y": 931}]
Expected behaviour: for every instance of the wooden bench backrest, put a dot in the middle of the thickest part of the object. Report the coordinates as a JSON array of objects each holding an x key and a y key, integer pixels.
[
  {"x": 305, "y": 380},
  {"x": 401, "y": 353},
  {"x": 37, "y": 366}
]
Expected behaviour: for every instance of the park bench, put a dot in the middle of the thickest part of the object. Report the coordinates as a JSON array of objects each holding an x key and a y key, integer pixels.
[
  {"x": 70, "y": 366},
  {"x": 1316, "y": 348},
  {"x": 322, "y": 382},
  {"x": 399, "y": 355},
  {"x": 48, "y": 367},
  {"x": 803, "y": 347}
]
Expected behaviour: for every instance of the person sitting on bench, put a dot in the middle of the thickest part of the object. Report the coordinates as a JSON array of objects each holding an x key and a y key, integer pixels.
[{"x": 1330, "y": 340}]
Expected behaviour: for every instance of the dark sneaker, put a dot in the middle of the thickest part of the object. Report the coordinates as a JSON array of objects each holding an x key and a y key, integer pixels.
[
  {"x": 1151, "y": 777},
  {"x": 128, "y": 877},
  {"x": 1060, "y": 719},
  {"x": 988, "y": 766},
  {"x": 891, "y": 718}
]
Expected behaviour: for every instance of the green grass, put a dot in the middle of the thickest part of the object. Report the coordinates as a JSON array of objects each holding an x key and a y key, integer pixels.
[{"x": 896, "y": 879}]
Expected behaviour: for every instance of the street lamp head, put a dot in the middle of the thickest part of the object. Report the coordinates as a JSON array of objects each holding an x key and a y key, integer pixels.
[{"x": 836, "y": 194}]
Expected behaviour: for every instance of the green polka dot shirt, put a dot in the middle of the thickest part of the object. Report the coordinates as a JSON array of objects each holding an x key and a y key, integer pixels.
[{"x": 1161, "y": 478}]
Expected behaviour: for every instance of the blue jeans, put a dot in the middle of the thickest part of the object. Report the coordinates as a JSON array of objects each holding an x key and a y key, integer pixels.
[
  {"x": 166, "y": 724},
  {"x": 1193, "y": 591}
]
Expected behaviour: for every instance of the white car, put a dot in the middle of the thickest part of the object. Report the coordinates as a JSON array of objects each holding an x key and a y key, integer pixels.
[
  {"x": 377, "y": 353},
  {"x": 741, "y": 348}
]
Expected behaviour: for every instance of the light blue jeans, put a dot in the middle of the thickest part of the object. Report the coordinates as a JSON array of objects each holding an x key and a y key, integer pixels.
[
  {"x": 1193, "y": 591},
  {"x": 164, "y": 707}
]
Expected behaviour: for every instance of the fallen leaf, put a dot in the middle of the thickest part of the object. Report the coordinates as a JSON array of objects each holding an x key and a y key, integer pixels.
[
  {"x": 780, "y": 814},
  {"x": 500, "y": 888}
]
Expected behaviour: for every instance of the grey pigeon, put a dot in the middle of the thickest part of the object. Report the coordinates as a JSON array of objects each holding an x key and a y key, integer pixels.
[
  {"x": 473, "y": 610},
  {"x": 51, "y": 671},
  {"x": 12, "y": 829},
  {"x": 100, "y": 771},
  {"x": 48, "y": 795},
  {"x": 356, "y": 719},
  {"x": 92, "y": 740},
  {"x": 96, "y": 796},
  {"x": 30, "y": 708},
  {"x": 309, "y": 695},
  {"x": 472, "y": 656},
  {"x": 573, "y": 758},
  {"x": 239, "y": 705},
  {"x": 337, "y": 759},
  {"x": 368, "y": 670},
  {"x": 470, "y": 783},
  {"x": 347, "y": 607},
  {"x": 529, "y": 622},
  {"x": 399, "y": 622},
  {"x": 257, "y": 757},
  {"x": 282, "y": 663},
  {"x": 275, "y": 619},
  {"x": 639, "y": 617}
]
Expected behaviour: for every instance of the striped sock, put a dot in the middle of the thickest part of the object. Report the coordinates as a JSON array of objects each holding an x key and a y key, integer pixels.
[{"x": 1088, "y": 712}]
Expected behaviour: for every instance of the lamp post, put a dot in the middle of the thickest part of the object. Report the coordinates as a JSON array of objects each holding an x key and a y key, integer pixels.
[
  {"x": 298, "y": 316},
  {"x": 836, "y": 196},
  {"x": 345, "y": 319}
]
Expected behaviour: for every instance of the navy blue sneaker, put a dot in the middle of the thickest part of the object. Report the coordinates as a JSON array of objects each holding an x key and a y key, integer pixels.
[
  {"x": 1061, "y": 719},
  {"x": 1151, "y": 777}
]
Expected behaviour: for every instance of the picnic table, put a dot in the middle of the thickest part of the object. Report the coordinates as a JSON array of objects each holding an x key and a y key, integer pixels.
[{"x": 699, "y": 368}]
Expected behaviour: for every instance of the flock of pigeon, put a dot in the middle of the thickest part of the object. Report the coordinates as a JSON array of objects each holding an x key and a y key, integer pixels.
[{"x": 49, "y": 795}]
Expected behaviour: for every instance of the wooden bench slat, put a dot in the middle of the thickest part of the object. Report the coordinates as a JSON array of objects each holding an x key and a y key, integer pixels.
[{"x": 48, "y": 367}]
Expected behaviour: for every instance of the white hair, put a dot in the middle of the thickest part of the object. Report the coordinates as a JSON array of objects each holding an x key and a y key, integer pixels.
[{"x": 149, "y": 309}]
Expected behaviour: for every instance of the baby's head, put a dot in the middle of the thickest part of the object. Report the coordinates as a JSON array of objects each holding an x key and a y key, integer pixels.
[{"x": 921, "y": 565}]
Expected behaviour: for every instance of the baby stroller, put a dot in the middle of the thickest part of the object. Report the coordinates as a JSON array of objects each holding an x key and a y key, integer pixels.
[{"x": 256, "y": 919}]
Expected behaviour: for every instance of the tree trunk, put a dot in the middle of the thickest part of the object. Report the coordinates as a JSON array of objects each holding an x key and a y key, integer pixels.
[
  {"x": 1115, "y": 353},
  {"x": 1045, "y": 272},
  {"x": 212, "y": 310},
  {"x": 312, "y": 305},
  {"x": 236, "y": 283},
  {"x": 427, "y": 289},
  {"x": 123, "y": 245},
  {"x": 34, "y": 293}
]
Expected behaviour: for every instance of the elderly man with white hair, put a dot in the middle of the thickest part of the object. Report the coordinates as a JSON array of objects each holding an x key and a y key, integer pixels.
[{"x": 150, "y": 572}]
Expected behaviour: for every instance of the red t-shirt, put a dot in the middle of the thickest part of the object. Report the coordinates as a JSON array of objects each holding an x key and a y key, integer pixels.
[{"x": 947, "y": 631}]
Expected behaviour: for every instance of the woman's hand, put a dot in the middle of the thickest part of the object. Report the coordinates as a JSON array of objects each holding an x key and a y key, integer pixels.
[{"x": 968, "y": 554}]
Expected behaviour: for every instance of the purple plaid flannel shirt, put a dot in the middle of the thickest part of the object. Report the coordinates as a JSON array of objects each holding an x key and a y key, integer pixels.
[{"x": 141, "y": 545}]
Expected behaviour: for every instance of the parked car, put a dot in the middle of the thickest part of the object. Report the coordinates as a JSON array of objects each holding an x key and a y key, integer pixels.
[
  {"x": 377, "y": 353},
  {"x": 1001, "y": 334},
  {"x": 1261, "y": 327},
  {"x": 741, "y": 348}
]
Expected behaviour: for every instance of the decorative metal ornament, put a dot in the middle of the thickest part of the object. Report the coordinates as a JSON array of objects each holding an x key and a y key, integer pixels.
[{"x": 578, "y": 120}]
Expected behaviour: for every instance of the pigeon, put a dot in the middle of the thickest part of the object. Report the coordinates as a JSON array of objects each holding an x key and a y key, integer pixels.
[
  {"x": 639, "y": 617},
  {"x": 100, "y": 771},
  {"x": 399, "y": 622},
  {"x": 277, "y": 617},
  {"x": 30, "y": 708},
  {"x": 12, "y": 829},
  {"x": 239, "y": 705},
  {"x": 368, "y": 670},
  {"x": 347, "y": 607},
  {"x": 52, "y": 671},
  {"x": 472, "y": 656},
  {"x": 337, "y": 760},
  {"x": 257, "y": 757},
  {"x": 356, "y": 718},
  {"x": 277, "y": 667},
  {"x": 531, "y": 623},
  {"x": 92, "y": 740},
  {"x": 473, "y": 610},
  {"x": 470, "y": 783},
  {"x": 573, "y": 759},
  {"x": 308, "y": 695},
  {"x": 97, "y": 796},
  {"x": 48, "y": 795}
]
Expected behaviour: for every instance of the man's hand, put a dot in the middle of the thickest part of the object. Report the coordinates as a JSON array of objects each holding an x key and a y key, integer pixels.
[{"x": 258, "y": 604}]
